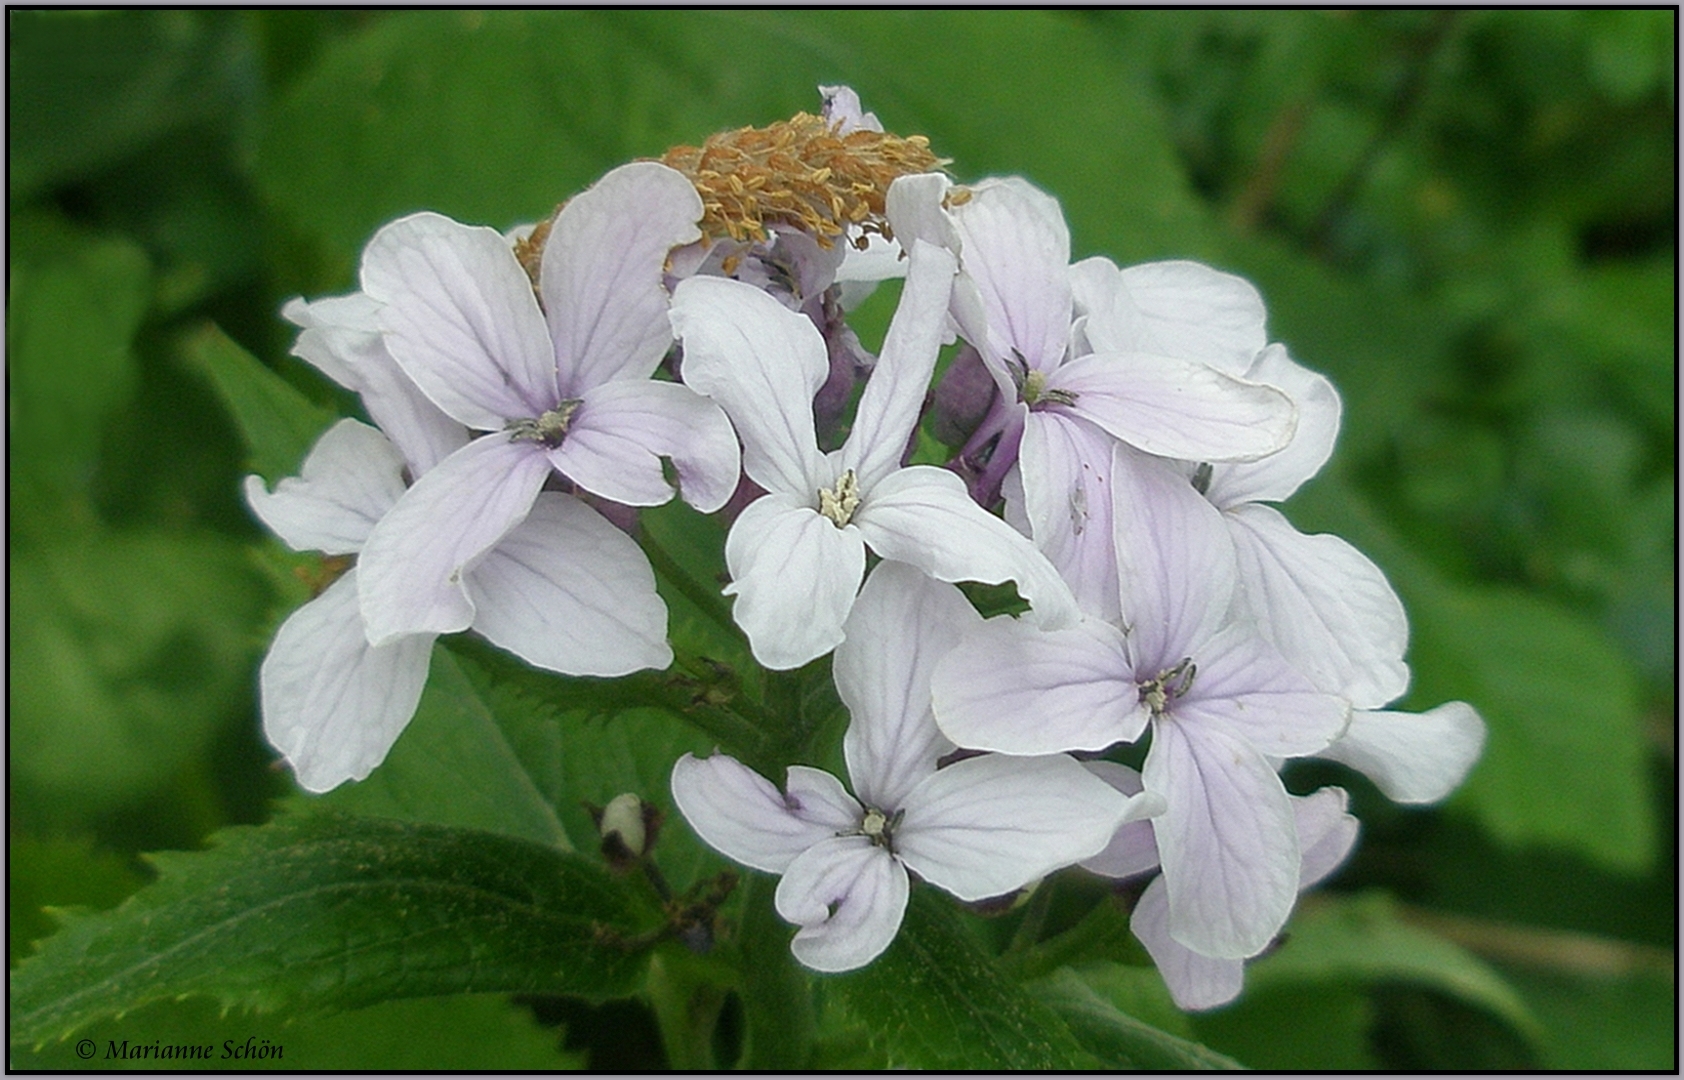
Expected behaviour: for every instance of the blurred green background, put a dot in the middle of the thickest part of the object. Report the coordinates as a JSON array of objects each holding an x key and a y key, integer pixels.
[{"x": 1467, "y": 219}]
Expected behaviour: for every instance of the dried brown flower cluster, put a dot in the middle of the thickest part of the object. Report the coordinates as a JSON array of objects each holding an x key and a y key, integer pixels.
[{"x": 798, "y": 172}]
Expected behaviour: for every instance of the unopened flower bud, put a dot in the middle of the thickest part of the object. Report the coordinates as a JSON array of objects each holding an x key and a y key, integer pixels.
[
  {"x": 628, "y": 827},
  {"x": 962, "y": 398}
]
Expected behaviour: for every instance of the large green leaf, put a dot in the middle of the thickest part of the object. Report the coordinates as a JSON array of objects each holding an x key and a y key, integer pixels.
[
  {"x": 453, "y": 765},
  {"x": 935, "y": 1001},
  {"x": 279, "y": 423},
  {"x": 474, "y": 1033},
  {"x": 325, "y": 911}
]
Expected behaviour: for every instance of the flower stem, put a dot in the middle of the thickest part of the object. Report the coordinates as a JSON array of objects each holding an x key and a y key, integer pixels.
[{"x": 707, "y": 601}]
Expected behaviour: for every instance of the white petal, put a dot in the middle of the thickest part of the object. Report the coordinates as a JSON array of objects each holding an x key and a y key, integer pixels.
[
  {"x": 795, "y": 575},
  {"x": 352, "y": 476},
  {"x": 1176, "y": 308},
  {"x": 1246, "y": 687},
  {"x": 1326, "y": 833},
  {"x": 333, "y": 703},
  {"x": 459, "y": 316},
  {"x": 1323, "y": 604},
  {"x": 1177, "y": 408},
  {"x": 880, "y": 260},
  {"x": 602, "y": 269},
  {"x": 987, "y": 825},
  {"x": 914, "y": 207},
  {"x": 1227, "y": 840},
  {"x": 567, "y": 591},
  {"x": 413, "y": 563},
  {"x": 1195, "y": 982},
  {"x": 894, "y": 396},
  {"x": 848, "y": 896},
  {"x": 763, "y": 363},
  {"x": 1066, "y": 465},
  {"x": 1016, "y": 250},
  {"x": 816, "y": 796},
  {"x": 1016, "y": 689},
  {"x": 1132, "y": 849},
  {"x": 1276, "y": 477},
  {"x": 740, "y": 814},
  {"x": 1175, "y": 561},
  {"x": 341, "y": 337},
  {"x": 614, "y": 445},
  {"x": 922, "y": 515},
  {"x": 902, "y": 623},
  {"x": 1413, "y": 757}
]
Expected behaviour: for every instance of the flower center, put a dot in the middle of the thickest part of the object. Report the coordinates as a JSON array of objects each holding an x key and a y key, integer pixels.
[
  {"x": 879, "y": 827},
  {"x": 549, "y": 429},
  {"x": 1032, "y": 384},
  {"x": 839, "y": 503},
  {"x": 1168, "y": 685}
]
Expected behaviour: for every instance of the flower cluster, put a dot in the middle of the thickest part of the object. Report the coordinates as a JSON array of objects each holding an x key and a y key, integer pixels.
[{"x": 530, "y": 391}]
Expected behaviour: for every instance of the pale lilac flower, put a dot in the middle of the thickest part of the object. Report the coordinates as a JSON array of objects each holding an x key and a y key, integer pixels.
[
  {"x": 979, "y": 828},
  {"x": 1326, "y": 834},
  {"x": 1221, "y": 703},
  {"x": 1146, "y": 358},
  {"x": 1329, "y": 609},
  {"x": 564, "y": 590},
  {"x": 797, "y": 555},
  {"x": 562, "y": 387}
]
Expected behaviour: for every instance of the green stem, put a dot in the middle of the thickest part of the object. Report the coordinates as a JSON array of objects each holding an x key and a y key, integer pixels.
[
  {"x": 710, "y": 603},
  {"x": 778, "y": 1012}
]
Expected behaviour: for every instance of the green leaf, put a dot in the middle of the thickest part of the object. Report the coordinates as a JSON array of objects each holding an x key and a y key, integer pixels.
[
  {"x": 1602, "y": 1024},
  {"x": 322, "y": 912},
  {"x": 89, "y": 87},
  {"x": 131, "y": 650},
  {"x": 1361, "y": 939},
  {"x": 935, "y": 1001},
  {"x": 59, "y": 872},
  {"x": 279, "y": 423},
  {"x": 1564, "y": 715},
  {"x": 1118, "y": 1039},
  {"x": 476, "y": 1033},
  {"x": 73, "y": 313},
  {"x": 453, "y": 765}
]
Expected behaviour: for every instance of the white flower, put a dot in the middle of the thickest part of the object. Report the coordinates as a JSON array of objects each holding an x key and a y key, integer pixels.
[
  {"x": 979, "y": 828},
  {"x": 564, "y": 387},
  {"x": 797, "y": 554},
  {"x": 1085, "y": 356},
  {"x": 1326, "y": 834},
  {"x": 1222, "y": 705}
]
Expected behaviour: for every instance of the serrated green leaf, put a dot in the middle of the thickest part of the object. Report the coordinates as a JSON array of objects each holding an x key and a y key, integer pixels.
[
  {"x": 324, "y": 911},
  {"x": 476, "y": 1033},
  {"x": 934, "y": 1001},
  {"x": 279, "y": 423},
  {"x": 1118, "y": 1039},
  {"x": 453, "y": 765},
  {"x": 59, "y": 872}
]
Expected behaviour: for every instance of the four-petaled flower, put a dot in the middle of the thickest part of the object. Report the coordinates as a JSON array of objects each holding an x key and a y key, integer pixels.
[
  {"x": 979, "y": 828},
  {"x": 797, "y": 554},
  {"x": 560, "y": 386}
]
